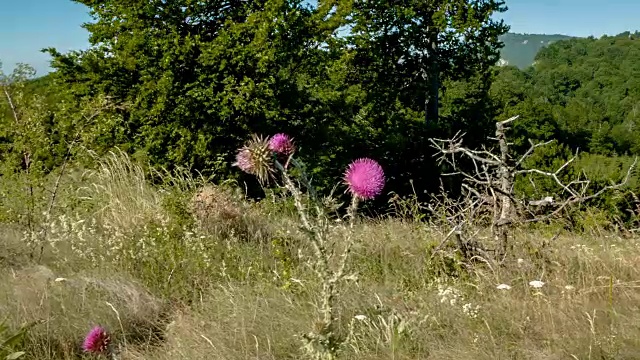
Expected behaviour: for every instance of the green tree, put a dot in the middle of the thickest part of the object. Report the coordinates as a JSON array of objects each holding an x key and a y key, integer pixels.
[
  {"x": 591, "y": 85},
  {"x": 409, "y": 47},
  {"x": 198, "y": 75},
  {"x": 422, "y": 67}
]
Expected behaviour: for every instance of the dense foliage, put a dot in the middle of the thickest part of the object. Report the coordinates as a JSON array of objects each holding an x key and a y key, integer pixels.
[{"x": 348, "y": 78}]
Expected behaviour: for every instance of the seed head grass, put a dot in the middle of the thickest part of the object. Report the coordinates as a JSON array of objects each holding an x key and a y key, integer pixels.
[{"x": 166, "y": 288}]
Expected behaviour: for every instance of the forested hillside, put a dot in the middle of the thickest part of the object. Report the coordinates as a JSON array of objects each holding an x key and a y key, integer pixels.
[
  {"x": 583, "y": 92},
  {"x": 520, "y": 50},
  {"x": 587, "y": 88},
  {"x": 185, "y": 90}
]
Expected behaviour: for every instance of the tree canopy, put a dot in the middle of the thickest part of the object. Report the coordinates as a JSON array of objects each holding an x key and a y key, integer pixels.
[{"x": 347, "y": 77}]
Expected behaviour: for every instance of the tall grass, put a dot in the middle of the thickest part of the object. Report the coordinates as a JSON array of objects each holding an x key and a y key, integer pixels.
[
  {"x": 123, "y": 194},
  {"x": 136, "y": 258}
]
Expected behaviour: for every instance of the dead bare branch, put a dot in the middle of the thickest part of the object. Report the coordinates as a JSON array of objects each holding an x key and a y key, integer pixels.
[
  {"x": 531, "y": 150},
  {"x": 583, "y": 198},
  {"x": 14, "y": 111},
  {"x": 491, "y": 182}
]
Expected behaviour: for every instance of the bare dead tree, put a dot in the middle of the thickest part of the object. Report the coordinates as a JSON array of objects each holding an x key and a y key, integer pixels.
[
  {"x": 490, "y": 183},
  {"x": 460, "y": 215}
]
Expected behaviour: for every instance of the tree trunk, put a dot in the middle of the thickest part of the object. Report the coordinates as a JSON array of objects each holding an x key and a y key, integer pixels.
[
  {"x": 433, "y": 77},
  {"x": 506, "y": 182}
]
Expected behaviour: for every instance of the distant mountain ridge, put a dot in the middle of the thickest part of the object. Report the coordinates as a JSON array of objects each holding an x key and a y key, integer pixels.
[{"x": 520, "y": 49}]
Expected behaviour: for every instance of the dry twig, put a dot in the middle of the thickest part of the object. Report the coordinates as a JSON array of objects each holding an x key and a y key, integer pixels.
[{"x": 491, "y": 182}]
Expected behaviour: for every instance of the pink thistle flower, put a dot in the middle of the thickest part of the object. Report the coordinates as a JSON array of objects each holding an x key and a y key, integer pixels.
[
  {"x": 96, "y": 341},
  {"x": 244, "y": 160},
  {"x": 255, "y": 158},
  {"x": 365, "y": 178},
  {"x": 282, "y": 144}
]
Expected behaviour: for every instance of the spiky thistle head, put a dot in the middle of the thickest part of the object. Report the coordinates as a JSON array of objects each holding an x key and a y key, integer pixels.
[
  {"x": 97, "y": 340},
  {"x": 364, "y": 178},
  {"x": 255, "y": 158},
  {"x": 282, "y": 144}
]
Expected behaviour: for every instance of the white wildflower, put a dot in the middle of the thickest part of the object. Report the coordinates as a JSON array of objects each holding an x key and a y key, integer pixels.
[
  {"x": 449, "y": 294},
  {"x": 470, "y": 310},
  {"x": 536, "y": 284},
  {"x": 361, "y": 317},
  {"x": 503, "y": 287}
]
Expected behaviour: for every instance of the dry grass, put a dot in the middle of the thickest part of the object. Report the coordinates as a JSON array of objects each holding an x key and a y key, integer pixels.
[
  {"x": 213, "y": 296},
  {"x": 220, "y": 211},
  {"x": 122, "y": 190},
  {"x": 587, "y": 308}
]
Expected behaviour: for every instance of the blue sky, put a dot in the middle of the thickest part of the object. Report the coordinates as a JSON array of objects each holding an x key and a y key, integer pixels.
[
  {"x": 573, "y": 17},
  {"x": 26, "y": 26}
]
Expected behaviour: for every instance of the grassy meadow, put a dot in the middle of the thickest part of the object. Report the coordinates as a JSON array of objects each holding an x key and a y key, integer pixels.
[{"x": 187, "y": 270}]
